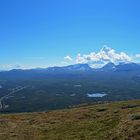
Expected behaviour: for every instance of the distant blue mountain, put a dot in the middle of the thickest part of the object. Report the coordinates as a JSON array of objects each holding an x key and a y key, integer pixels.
[
  {"x": 120, "y": 67},
  {"x": 128, "y": 67},
  {"x": 110, "y": 67},
  {"x": 71, "y": 68}
]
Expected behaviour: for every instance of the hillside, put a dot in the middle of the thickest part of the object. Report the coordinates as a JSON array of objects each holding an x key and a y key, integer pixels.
[{"x": 111, "y": 121}]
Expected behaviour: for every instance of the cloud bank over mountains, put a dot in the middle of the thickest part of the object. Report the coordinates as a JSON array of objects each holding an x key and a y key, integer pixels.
[
  {"x": 94, "y": 59},
  {"x": 11, "y": 66},
  {"x": 137, "y": 55},
  {"x": 104, "y": 56},
  {"x": 68, "y": 58}
]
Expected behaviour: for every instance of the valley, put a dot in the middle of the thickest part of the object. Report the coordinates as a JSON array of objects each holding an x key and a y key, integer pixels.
[{"x": 57, "y": 88}]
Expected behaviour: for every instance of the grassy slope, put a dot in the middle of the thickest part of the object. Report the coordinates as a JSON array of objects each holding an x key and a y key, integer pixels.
[{"x": 113, "y": 121}]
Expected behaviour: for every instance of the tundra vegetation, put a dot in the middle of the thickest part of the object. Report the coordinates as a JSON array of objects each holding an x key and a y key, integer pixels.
[{"x": 108, "y": 121}]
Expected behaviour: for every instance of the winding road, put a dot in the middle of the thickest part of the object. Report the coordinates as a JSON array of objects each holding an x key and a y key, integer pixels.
[{"x": 17, "y": 89}]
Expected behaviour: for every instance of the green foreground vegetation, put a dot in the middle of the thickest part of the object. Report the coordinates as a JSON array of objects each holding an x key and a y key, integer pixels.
[{"x": 110, "y": 121}]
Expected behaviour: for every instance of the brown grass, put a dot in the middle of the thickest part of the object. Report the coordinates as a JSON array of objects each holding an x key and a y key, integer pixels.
[{"x": 112, "y": 121}]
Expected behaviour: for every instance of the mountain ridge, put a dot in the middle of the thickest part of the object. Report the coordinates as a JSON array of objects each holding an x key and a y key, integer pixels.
[{"x": 81, "y": 68}]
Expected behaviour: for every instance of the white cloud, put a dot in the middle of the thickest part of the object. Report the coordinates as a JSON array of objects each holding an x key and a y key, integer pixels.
[
  {"x": 105, "y": 55},
  {"x": 11, "y": 66},
  {"x": 68, "y": 58},
  {"x": 137, "y": 55}
]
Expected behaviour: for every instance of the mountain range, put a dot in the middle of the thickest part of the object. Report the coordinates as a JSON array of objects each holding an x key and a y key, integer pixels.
[
  {"x": 108, "y": 67},
  {"x": 111, "y": 67}
]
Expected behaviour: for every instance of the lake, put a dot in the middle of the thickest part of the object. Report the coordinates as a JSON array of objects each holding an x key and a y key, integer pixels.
[{"x": 95, "y": 95}]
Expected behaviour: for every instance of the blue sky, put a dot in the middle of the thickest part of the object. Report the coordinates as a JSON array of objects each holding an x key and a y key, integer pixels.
[{"x": 40, "y": 33}]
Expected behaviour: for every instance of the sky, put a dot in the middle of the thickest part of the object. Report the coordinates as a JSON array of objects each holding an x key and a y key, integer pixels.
[{"x": 42, "y": 33}]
